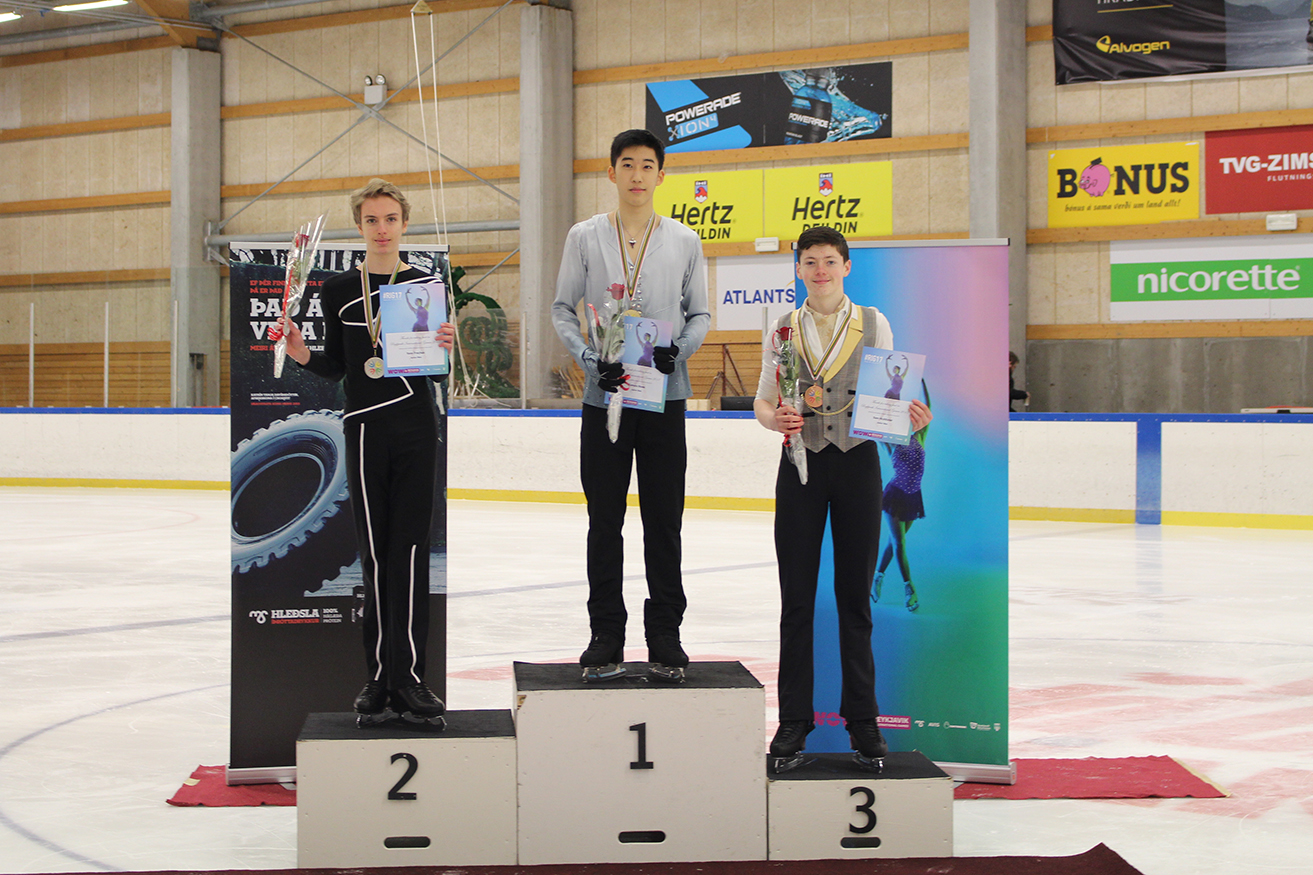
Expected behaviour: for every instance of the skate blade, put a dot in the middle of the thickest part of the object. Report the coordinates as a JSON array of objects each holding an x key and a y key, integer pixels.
[
  {"x": 666, "y": 674},
  {"x": 594, "y": 673},
  {"x": 784, "y": 764},
  {"x": 378, "y": 718},
  {"x": 438, "y": 722},
  {"x": 872, "y": 764}
]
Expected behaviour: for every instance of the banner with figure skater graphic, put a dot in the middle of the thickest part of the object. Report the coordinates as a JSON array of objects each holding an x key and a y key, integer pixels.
[{"x": 940, "y": 597}]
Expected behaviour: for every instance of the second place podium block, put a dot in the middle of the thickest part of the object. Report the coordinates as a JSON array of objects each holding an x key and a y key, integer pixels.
[{"x": 634, "y": 770}]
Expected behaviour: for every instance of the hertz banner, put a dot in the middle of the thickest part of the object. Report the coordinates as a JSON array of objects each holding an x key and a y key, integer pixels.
[
  {"x": 1123, "y": 185},
  {"x": 738, "y": 206},
  {"x": 1100, "y": 40}
]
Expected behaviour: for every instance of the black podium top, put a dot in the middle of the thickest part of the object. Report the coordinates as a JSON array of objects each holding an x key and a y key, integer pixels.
[
  {"x": 460, "y": 724},
  {"x": 898, "y": 766},
  {"x": 699, "y": 676}
]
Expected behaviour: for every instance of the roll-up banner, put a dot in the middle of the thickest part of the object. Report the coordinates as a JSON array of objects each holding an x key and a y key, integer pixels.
[
  {"x": 941, "y": 671},
  {"x": 790, "y": 107},
  {"x": 297, "y": 591},
  {"x": 1103, "y": 40}
]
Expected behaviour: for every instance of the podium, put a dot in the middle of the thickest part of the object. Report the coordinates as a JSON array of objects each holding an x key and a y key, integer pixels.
[
  {"x": 405, "y": 795},
  {"x": 632, "y": 770},
  {"x": 831, "y": 808}
]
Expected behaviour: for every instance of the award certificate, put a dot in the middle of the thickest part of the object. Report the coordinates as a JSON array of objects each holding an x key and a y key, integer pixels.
[
  {"x": 645, "y": 386},
  {"x": 886, "y": 384},
  {"x": 411, "y": 314}
]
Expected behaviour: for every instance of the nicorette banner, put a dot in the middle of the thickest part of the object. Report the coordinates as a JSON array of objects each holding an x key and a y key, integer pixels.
[
  {"x": 297, "y": 591},
  {"x": 1123, "y": 185},
  {"x": 1259, "y": 171},
  {"x": 941, "y": 671},
  {"x": 1215, "y": 278},
  {"x": 791, "y": 107},
  {"x": 722, "y": 207},
  {"x": 1096, "y": 40}
]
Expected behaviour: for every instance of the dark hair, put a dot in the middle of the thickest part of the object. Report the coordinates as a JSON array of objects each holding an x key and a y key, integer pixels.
[
  {"x": 1012, "y": 358},
  {"x": 822, "y": 235},
  {"x": 638, "y": 137}
]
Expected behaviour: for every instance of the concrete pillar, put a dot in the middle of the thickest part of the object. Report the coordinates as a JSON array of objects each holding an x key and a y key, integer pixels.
[
  {"x": 997, "y": 158},
  {"x": 546, "y": 180},
  {"x": 194, "y": 171}
]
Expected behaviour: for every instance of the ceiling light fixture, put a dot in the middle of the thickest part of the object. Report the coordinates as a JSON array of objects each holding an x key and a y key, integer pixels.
[
  {"x": 9, "y": 16},
  {"x": 96, "y": 4}
]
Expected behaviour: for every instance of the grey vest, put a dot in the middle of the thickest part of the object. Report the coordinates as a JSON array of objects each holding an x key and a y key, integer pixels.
[{"x": 838, "y": 393}]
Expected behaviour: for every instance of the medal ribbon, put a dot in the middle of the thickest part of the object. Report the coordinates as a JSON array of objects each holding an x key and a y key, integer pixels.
[
  {"x": 375, "y": 324},
  {"x": 631, "y": 275},
  {"x": 816, "y": 358}
]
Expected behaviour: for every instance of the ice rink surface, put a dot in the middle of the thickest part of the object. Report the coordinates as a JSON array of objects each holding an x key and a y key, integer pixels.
[{"x": 1125, "y": 641}]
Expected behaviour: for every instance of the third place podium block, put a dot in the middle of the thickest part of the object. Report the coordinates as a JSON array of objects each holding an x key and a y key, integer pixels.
[
  {"x": 829, "y": 808},
  {"x": 634, "y": 770}
]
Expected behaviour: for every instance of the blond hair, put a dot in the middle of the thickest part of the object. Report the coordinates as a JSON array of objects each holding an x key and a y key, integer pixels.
[{"x": 378, "y": 188}]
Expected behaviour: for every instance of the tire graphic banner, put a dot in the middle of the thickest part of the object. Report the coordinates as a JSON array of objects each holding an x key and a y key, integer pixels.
[
  {"x": 1102, "y": 40},
  {"x": 297, "y": 592}
]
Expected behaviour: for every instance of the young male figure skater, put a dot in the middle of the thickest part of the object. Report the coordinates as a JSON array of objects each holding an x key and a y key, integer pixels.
[
  {"x": 843, "y": 481},
  {"x": 667, "y": 258},
  {"x": 391, "y": 430}
]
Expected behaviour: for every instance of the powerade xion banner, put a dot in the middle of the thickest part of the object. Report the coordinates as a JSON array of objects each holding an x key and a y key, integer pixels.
[
  {"x": 787, "y": 108},
  {"x": 297, "y": 591},
  {"x": 1101, "y": 40}
]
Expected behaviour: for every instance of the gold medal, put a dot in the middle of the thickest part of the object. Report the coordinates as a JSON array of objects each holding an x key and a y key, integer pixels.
[
  {"x": 815, "y": 396},
  {"x": 374, "y": 367}
]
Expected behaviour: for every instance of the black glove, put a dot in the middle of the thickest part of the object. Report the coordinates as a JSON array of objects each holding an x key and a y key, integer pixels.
[
  {"x": 610, "y": 376},
  {"x": 663, "y": 358}
]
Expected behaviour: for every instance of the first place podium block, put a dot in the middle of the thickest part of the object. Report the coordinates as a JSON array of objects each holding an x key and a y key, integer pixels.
[
  {"x": 829, "y": 808},
  {"x": 403, "y": 795},
  {"x": 635, "y": 771}
]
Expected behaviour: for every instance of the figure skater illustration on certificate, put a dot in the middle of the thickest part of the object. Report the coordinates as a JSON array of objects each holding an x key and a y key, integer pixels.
[
  {"x": 647, "y": 333},
  {"x": 896, "y": 376},
  {"x": 421, "y": 311},
  {"x": 903, "y": 506}
]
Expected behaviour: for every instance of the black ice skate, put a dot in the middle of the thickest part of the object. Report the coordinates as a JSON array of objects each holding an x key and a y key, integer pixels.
[
  {"x": 603, "y": 659},
  {"x": 417, "y": 704},
  {"x": 787, "y": 746},
  {"x": 668, "y": 660},
  {"x": 372, "y": 705},
  {"x": 869, "y": 746}
]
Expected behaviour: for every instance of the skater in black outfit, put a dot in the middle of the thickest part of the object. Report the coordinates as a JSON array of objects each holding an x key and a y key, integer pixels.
[
  {"x": 391, "y": 428},
  {"x": 843, "y": 484}
]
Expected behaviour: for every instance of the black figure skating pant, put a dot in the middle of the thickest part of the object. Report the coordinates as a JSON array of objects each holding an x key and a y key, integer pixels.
[
  {"x": 847, "y": 486},
  {"x": 657, "y": 441},
  {"x": 391, "y": 463}
]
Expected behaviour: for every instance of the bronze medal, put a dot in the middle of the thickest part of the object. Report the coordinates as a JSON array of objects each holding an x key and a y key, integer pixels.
[{"x": 815, "y": 396}]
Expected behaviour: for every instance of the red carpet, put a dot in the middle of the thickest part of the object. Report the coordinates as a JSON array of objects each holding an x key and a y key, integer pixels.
[
  {"x": 1099, "y": 860},
  {"x": 207, "y": 787},
  {"x": 1093, "y": 778}
]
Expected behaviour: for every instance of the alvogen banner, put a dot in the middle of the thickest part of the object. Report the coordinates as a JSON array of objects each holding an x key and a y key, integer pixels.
[
  {"x": 941, "y": 670},
  {"x": 1100, "y": 40},
  {"x": 1214, "y": 278},
  {"x": 297, "y": 591}
]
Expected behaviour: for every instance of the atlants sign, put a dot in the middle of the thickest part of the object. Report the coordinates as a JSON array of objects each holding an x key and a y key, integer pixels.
[
  {"x": 1259, "y": 171},
  {"x": 1123, "y": 185}
]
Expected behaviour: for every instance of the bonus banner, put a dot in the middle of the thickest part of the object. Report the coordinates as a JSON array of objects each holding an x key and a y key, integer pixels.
[
  {"x": 1259, "y": 171},
  {"x": 1227, "y": 278},
  {"x": 791, "y": 107},
  {"x": 1123, "y": 185},
  {"x": 297, "y": 590}
]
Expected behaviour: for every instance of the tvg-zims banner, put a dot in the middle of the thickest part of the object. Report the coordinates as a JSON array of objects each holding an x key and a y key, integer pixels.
[{"x": 1123, "y": 185}]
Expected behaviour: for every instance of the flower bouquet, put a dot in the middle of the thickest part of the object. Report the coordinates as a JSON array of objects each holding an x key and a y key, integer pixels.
[
  {"x": 300, "y": 260},
  {"x": 607, "y": 338},
  {"x": 786, "y": 374}
]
